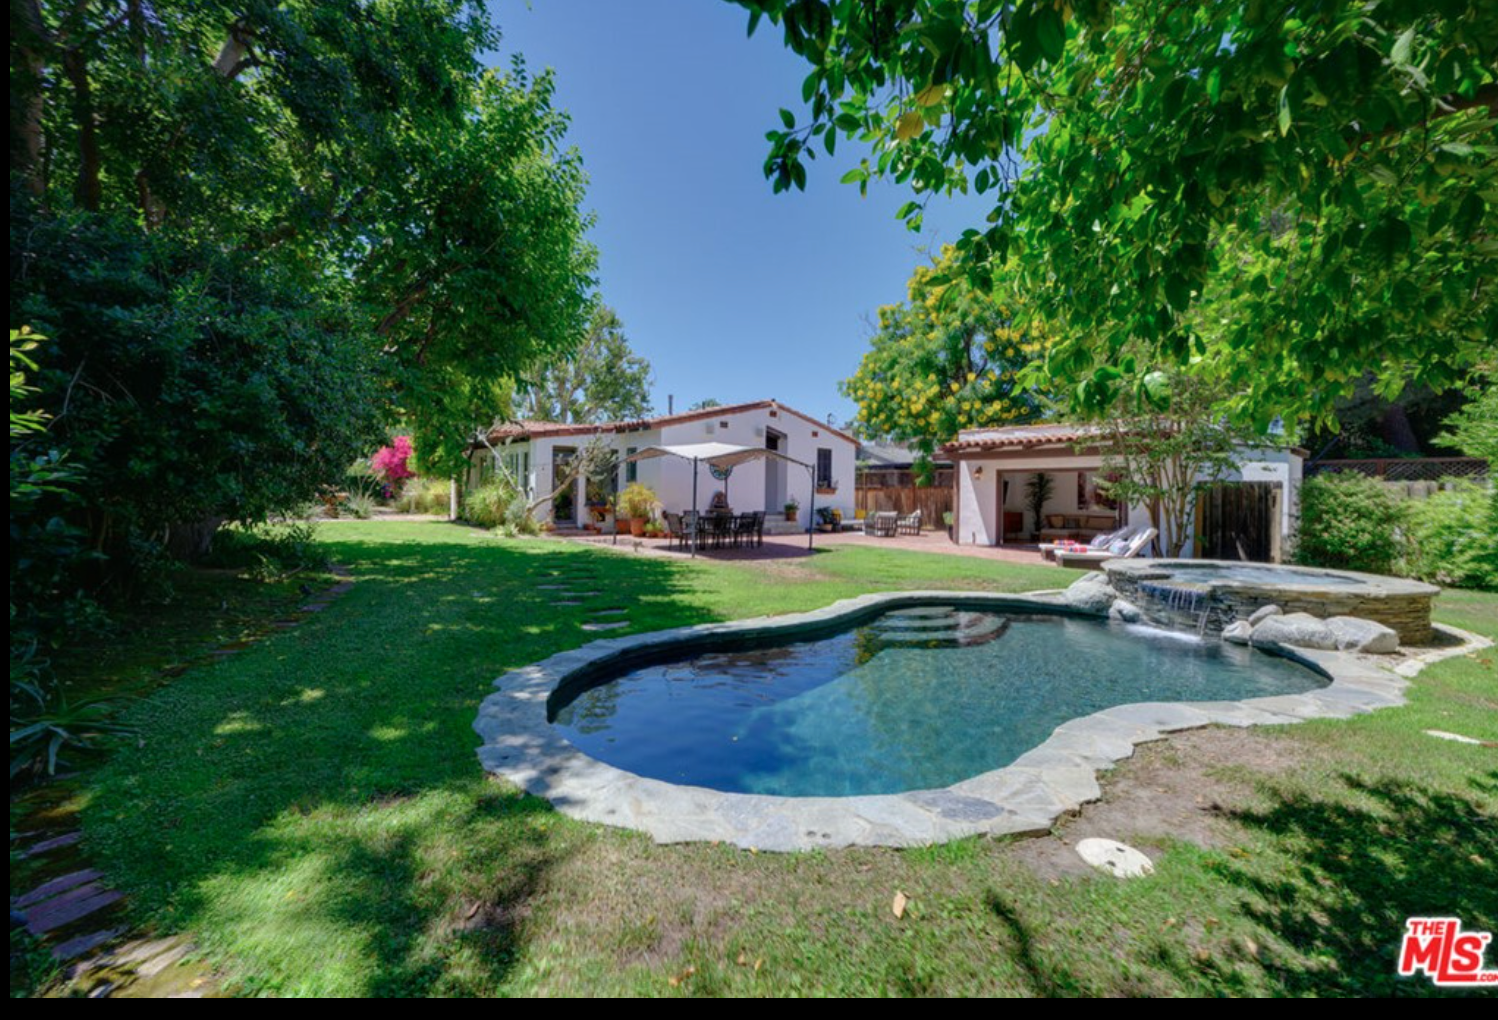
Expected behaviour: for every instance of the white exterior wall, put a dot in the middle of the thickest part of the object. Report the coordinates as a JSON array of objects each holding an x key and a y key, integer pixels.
[
  {"x": 671, "y": 477},
  {"x": 977, "y": 520},
  {"x": 746, "y": 486}
]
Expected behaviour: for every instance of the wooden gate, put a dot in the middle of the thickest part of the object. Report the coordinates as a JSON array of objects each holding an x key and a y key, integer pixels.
[{"x": 1238, "y": 521}]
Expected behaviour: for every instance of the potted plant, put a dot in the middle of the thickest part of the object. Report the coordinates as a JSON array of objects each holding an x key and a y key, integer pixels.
[
  {"x": 1038, "y": 492},
  {"x": 792, "y": 508},
  {"x": 829, "y": 518},
  {"x": 946, "y": 519},
  {"x": 637, "y": 503},
  {"x": 655, "y": 529}
]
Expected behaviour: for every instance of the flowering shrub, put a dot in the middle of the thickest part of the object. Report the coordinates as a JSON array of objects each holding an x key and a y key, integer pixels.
[{"x": 392, "y": 464}]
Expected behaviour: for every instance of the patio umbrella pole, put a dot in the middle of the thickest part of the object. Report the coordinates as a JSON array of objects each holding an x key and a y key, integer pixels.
[{"x": 696, "y": 518}]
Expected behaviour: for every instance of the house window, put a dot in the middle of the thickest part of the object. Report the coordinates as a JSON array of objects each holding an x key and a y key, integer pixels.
[
  {"x": 517, "y": 467},
  {"x": 631, "y": 468},
  {"x": 824, "y": 468}
]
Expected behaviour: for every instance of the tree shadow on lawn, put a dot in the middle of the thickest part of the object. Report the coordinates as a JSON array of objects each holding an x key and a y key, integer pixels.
[
  {"x": 1397, "y": 850},
  {"x": 313, "y": 806}
]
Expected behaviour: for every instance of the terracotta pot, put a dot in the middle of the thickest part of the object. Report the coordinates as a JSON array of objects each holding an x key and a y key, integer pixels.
[
  {"x": 790, "y": 516},
  {"x": 637, "y": 527}
]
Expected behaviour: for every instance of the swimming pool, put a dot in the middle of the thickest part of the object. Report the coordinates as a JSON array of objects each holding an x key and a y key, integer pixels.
[{"x": 917, "y": 698}]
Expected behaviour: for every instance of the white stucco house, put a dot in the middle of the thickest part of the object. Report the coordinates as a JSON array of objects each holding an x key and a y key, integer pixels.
[
  {"x": 537, "y": 453},
  {"x": 993, "y": 466}
]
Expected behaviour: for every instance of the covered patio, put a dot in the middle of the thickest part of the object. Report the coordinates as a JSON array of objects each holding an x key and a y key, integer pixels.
[
  {"x": 1002, "y": 474},
  {"x": 695, "y": 527}
]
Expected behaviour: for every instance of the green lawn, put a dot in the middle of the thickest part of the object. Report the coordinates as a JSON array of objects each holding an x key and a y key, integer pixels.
[{"x": 312, "y": 812}]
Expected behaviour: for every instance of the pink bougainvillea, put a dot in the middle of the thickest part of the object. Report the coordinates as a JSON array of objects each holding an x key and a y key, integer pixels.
[{"x": 392, "y": 464}]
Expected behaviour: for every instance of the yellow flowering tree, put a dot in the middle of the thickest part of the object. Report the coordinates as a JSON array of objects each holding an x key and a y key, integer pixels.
[{"x": 948, "y": 359}]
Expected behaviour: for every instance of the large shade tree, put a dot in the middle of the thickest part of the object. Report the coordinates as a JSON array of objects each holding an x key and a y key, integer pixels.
[
  {"x": 947, "y": 359},
  {"x": 601, "y": 379},
  {"x": 1123, "y": 144},
  {"x": 247, "y": 226}
]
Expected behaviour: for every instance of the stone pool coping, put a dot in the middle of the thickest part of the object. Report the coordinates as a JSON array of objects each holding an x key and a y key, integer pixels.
[{"x": 1026, "y": 796}]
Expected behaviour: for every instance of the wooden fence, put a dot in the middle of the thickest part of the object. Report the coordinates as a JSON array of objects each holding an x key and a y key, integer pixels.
[
  {"x": 899, "y": 478},
  {"x": 932, "y": 502}
]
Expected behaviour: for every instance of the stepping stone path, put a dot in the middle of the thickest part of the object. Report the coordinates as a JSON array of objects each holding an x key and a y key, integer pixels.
[
  {"x": 70, "y": 912},
  {"x": 575, "y": 589}
]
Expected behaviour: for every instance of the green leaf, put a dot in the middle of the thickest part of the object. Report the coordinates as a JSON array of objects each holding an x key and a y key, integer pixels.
[
  {"x": 1177, "y": 292},
  {"x": 1284, "y": 111},
  {"x": 1400, "y": 54},
  {"x": 787, "y": 118},
  {"x": 858, "y": 173},
  {"x": 1050, "y": 32},
  {"x": 1214, "y": 85}
]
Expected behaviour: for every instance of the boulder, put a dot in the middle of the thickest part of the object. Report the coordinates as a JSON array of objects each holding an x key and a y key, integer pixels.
[
  {"x": 1263, "y": 613},
  {"x": 1238, "y": 632},
  {"x": 1299, "y": 630},
  {"x": 1354, "y": 634},
  {"x": 1125, "y": 611},
  {"x": 1090, "y": 593}
]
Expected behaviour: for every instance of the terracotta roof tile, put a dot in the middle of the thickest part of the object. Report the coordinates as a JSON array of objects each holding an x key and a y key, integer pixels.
[
  {"x": 1020, "y": 436},
  {"x": 532, "y": 429}
]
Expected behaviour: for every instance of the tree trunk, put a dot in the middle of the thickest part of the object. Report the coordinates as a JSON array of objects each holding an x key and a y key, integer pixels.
[
  {"x": 89, "y": 191},
  {"x": 1397, "y": 430},
  {"x": 27, "y": 102}
]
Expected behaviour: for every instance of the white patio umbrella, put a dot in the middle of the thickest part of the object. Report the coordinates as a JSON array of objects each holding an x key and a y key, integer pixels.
[{"x": 727, "y": 455}]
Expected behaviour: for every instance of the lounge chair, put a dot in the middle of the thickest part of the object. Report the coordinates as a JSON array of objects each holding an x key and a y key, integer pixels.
[
  {"x": 1088, "y": 560},
  {"x": 1098, "y": 543},
  {"x": 881, "y": 524},
  {"x": 910, "y": 525}
]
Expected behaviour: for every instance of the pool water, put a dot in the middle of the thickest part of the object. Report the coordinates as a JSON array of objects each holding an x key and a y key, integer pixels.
[
  {"x": 1261, "y": 575},
  {"x": 915, "y": 699}
]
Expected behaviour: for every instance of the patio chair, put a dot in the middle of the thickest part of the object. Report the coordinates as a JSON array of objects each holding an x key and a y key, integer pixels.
[
  {"x": 881, "y": 524},
  {"x": 1088, "y": 560},
  {"x": 718, "y": 528},
  {"x": 909, "y": 525},
  {"x": 1098, "y": 543},
  {"x": 743, "y": 529},
  {"x": 691, "y": 528}
]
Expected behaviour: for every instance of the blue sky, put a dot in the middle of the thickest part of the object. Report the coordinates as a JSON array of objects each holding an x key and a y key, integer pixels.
[{"x": 730, "y": 291}]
